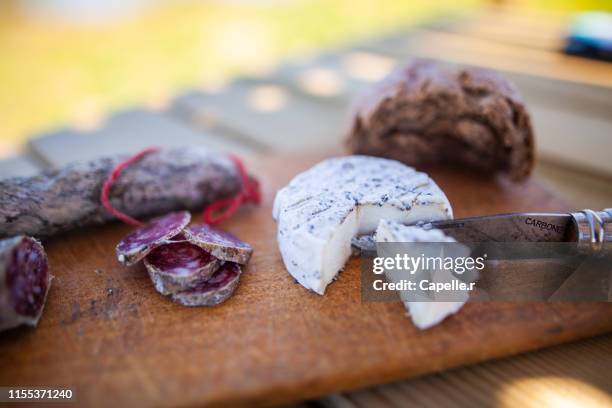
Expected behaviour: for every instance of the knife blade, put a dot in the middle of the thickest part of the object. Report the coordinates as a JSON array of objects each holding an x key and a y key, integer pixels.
[
  {"x": 517, "y": 227},
  {"x": 589, "y": 228}
]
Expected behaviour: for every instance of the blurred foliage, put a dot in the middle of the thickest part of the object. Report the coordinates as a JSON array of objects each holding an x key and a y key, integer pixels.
[{"x": 52, "y": 73}]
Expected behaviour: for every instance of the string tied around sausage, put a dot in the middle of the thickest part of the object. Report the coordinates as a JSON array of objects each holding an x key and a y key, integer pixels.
[{"x": 215, "y": 213}]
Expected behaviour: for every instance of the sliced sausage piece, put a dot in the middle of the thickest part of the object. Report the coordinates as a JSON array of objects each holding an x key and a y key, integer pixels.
[
  {"x": 139, "y": 243},
  {"x": 170, "y": 179},
  {"x": 179, "y": 266},
  {"x": 24, "y": 281},
  {"x": 213, "y": 291},
  {"x": 220, "y": 244}
]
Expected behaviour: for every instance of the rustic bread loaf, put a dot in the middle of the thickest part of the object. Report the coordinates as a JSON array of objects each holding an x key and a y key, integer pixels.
[{"x": 426, "y": 113}]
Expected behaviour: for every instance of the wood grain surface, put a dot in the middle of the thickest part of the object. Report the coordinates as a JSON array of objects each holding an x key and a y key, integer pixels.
[
  {"x": 575, "y": 374},
  {"x": 107, "y": 333}
]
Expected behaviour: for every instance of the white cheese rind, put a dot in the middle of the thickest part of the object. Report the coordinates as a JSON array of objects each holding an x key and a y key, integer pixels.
[
  {"x": 391, "y": 231},
  {"x": 423, "y": 314},
  {"x": 323, "y": 208}
]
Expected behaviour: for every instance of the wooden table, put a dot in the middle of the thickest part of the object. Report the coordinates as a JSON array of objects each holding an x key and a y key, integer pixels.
[{"x": 292, "y": 108}]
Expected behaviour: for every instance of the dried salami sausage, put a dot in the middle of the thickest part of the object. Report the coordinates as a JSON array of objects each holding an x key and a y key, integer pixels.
[
  {"x": 179, "y": 266},
  {"x": 166, "y": 180},
  {"x": 215, "y": 290},
  {"x": 143, "y": 240},
  {"x": 221, "y": 244},
  {"x": 24, "y": 281}
]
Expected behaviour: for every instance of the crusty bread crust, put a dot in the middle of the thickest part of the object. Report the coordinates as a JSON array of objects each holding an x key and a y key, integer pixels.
[{"x": 426, "y": 113}]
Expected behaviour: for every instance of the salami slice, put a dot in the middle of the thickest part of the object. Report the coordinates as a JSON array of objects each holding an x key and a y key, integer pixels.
[
  {"x": 24, "y": 281},
  {"x": 139, "y": 243},
  {"x": 213, "y": 291},
  {"x": 167, "y": 180},
  {"x": 179, "y": 266},
  {"x": 220, "y": 244}
]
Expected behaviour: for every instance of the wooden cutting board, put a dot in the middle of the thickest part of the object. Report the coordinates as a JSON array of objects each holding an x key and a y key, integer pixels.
[{"x": 108, "y": 334}]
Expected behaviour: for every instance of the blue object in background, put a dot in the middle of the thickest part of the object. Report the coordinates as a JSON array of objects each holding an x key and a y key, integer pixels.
[{"x": 591, "y": 36}]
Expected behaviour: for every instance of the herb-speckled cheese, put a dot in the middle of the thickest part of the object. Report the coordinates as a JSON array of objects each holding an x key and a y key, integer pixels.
[
  {"x": 323, "y": 208},
  {"x": 391, "y": 231},
  {"x": 424, "y": 314}
]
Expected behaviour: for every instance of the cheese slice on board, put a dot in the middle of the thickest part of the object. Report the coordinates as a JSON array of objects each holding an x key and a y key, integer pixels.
[
  {"x": 424, "y": 314},
  {"x": 323, "y": 208}
]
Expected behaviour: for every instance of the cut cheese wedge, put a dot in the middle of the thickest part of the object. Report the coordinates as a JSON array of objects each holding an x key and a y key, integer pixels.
[
  {"x": 424, "y": 314},
  {"x": 322, "y": 209}
]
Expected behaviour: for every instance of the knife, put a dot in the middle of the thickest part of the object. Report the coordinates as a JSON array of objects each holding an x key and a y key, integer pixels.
[{"x": 589, "y": 229}]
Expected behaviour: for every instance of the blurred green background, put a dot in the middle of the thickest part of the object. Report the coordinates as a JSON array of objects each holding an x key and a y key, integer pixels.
[{"x": 72, "y": 61}]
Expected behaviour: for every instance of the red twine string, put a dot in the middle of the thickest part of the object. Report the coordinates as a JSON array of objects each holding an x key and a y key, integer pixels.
[
  {"x": 249, "y": 193},
  {"x": 108, "y": 183},
  {"x": 225, "y": 208}
]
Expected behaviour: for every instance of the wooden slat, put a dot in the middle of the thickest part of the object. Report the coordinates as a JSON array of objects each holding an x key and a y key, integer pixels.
[
  {"x": 583, "y": 190},
  {"x": 517, "y": 26},
  {"x": 574, "y": 98},
  {"x": 579, "y": 141},
  {"x": 507, "y": 57},
  {"x": 264, "y": 113},
  {"x": 356, "y": 70},
  {"x": 504, "y": 33},
  {"x": 126, "y": 132},
  {"x": 576, "y": 374},
  {"x": 478, "y": 51},
  {"x": 569, "y": 97},
  {"x": 337, "y": 76},
  {"x": 19, "y": 166}
]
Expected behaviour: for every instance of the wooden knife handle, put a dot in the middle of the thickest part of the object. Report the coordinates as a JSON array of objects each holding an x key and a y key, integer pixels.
[{"x": 594, "y": 228}]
